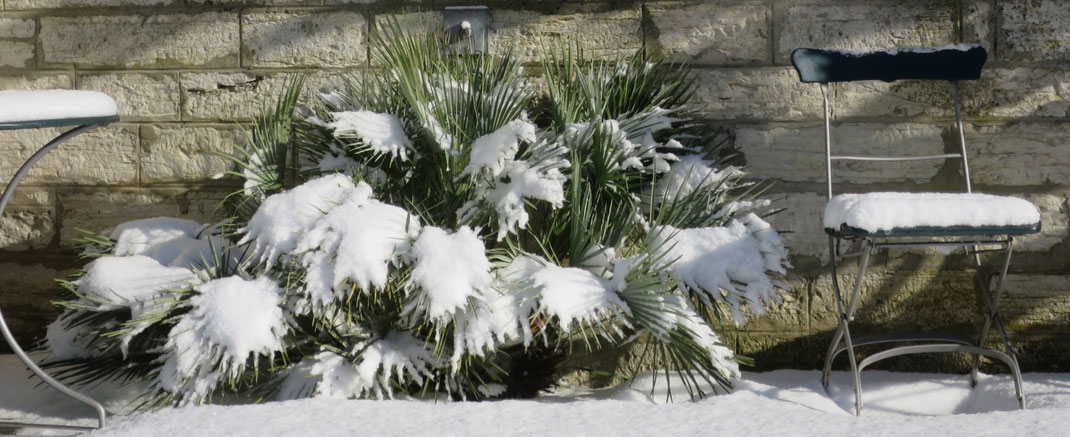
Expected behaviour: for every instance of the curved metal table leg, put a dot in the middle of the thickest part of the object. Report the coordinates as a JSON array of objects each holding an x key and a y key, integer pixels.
[{"x": 21, "y": 354}]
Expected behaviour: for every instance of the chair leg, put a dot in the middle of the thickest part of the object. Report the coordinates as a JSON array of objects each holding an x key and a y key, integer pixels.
[
  {"x": 8, "y": 337},
  {"x": 846, "y": 314},
  {"x": 991, "y": 299}
]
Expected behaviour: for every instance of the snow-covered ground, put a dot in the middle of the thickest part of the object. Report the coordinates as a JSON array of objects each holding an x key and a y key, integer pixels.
[{"x": 785, "y": 402}]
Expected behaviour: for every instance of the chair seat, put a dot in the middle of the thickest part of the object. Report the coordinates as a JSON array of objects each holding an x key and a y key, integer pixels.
[
  {"x": 892, "y": 214},
  {"x": 48, "y": 108}
]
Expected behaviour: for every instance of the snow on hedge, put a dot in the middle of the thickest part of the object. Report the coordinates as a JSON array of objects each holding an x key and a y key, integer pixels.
[
  {"x": 396, "y": 358},
  {"x": 493, "y": 150},
  {"x": 451, "y": 269},
  {"x": 504, "y": 180},
  {"x": 689, "y": 174},
  {"x": 885, "y": 211},
  {"x": 119, "y": 281},
  {"x": 576, "y": 295},
  {"x": 734, "y": 258},
  {"x": 381, "y": 132},
  {"x": 170, "y": 241},
  {"x": 230, "y": 321},
  {"x": 282, "y": 219},
  {"x": 500, "y": 315}
]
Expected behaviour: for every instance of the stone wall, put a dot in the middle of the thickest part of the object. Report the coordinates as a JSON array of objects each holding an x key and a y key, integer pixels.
[{"x": 187, "y": 73}]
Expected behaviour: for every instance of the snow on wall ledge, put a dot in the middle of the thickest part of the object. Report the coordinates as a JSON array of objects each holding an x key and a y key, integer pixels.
[{"x": 183, "y": 75}]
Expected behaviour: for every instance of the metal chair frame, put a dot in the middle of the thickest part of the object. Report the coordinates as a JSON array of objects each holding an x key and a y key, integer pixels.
[
  {"x": 84, "y": 125},
  {"x": 846, "y": 306}
]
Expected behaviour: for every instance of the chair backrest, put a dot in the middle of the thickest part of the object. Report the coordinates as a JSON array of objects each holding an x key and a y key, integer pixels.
[{"x": 950, "y": 63}]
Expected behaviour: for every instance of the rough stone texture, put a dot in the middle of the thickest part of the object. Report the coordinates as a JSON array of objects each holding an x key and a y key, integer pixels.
[
  {"x": 979, "y": 26},
  {"x": 219, "y": 96},
  {"x": 37, "y": 81},
  {"x": 794, "y": 152},
  {"x": 1055, "y": 224},
  {"x": 894, "y": 296},
  {"x": 800, "y": 224},
  {"x": 1033, "y": 30},
  {"x": 1018, "y": 153},
  {"x": 157, "y": 41},
  {"x": 767, "y": 93},
  {"x": 63, "y": 4},
  {"x": 140, "y": 96},
  {"x": 321, "y": 39},
  {"x": 710, "y": 33},
  {"x": 789, "y": 311},
  {"x": 100, "y": 211},
  {"x": 103, "y": 156},
  {"x": 12, "y": 27},
  {"x": 865, "y": 25},
  {"x": 175, "y": 153},
  {"x": 16, "y": 54},
  {"x": 609, "y": 34},
  {"x": 1002, "y": 93},
  {"x": 1037, "y": 302},
  {"x": 29, "y": 220},
  {"x": 225, "y": 96}
]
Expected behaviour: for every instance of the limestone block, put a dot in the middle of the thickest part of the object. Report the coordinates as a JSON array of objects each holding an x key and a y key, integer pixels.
[
  {"x": 225, "y": 96},
  {"x": 140, "y": 96},
  {"x": 979, "y": 26},
  {"x": 1018, "y": 153},
  {"x": 788, "y": 314},
  {"x": 857, "y": 26},
  {"x": 65, "y": 4},
  {"x": 1037, "y": 301},
  {"x": 799, "y": 224},
  {"x": 768, "y": 93},
  {"x": 209, "y": 39},
  {"x": 710, "y": 33},
  {"x": 44, "y": 80},
  {"x": 16, "y": 27},
  {"x": 1032, "y": 30},
  {"x": 794, "y": 152},
  {"x": 175, "y": 153},
  {"x": 100, "y": 211},
  {"x": 29, "y": 220},
  {"x": 16, "y": 54},
  {"x": 424, "y": 21},
  {"x": 106, "y": 155},
  {"x": 1001, "y": 93},
  {"x": 896, "y": 297},
  {"x": 1055, "y": 224},
  {"x": 322, "y": 39},
  {"x": 603, "y": 34}
]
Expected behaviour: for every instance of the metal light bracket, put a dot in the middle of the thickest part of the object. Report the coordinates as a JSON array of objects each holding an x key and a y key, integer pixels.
[{"x": 467, "y": 28}]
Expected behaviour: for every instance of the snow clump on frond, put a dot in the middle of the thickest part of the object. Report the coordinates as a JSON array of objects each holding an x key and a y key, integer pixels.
[
  {"x": 450, "y": 270},
  {"x": 382, "y": 133},
  {"x": 728, "y": 263},
  {"x": 378, "y": 365},
  {"x": 231, "y": 321},
  {"x": 505, "y": 178}
]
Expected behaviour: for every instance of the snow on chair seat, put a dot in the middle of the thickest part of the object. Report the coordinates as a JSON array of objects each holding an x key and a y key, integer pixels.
[
  {"x": 929, "y": 214},
  {"x": 47, "y": 108}
]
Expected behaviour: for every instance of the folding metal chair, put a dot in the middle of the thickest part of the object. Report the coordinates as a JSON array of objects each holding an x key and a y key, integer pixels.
[
  {"x": 977, "y": 222},
  {"x": 86, "y": 110}
]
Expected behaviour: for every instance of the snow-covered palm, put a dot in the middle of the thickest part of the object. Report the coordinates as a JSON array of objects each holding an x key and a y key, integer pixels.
[{"x": 443, "y": 240}]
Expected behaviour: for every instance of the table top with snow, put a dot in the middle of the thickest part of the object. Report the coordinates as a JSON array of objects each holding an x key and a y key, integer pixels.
[
  {"x": 784, "y": 402},
  {"x": 23, "y": 108}
]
